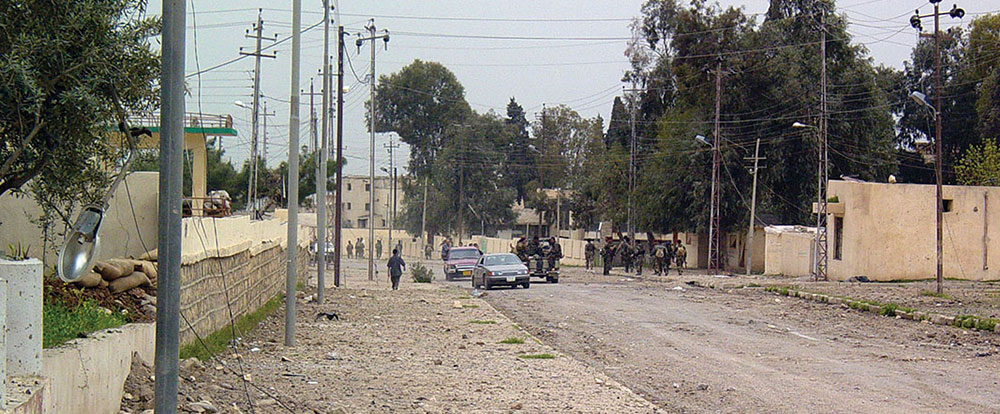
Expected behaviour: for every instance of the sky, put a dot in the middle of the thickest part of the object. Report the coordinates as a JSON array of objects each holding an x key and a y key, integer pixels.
[{"x": 538, "y": 52}]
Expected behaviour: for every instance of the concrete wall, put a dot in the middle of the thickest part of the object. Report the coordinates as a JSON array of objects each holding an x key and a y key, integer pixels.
[
  {"x": 119, "y": 237},
  {"x": 787, "y": 253},
  {"x": 889, "y": 231},
  {"x": 88, "y": 375}
]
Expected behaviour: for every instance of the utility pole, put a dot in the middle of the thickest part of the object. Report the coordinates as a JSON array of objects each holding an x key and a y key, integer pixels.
[
  {"x": 958, "y": 13},
  {"x": 263, "y": 135},
  {"x": 340, "y": 156},
  {"x": 631, "y": 161},
  {"x": 321, "y": 167},
  {"x": 292, "y": 241},
  {"x": 313, "y": 128},
  {"x": 258, "y": 30},
  {"x": 168, "y": 295},
  {"x": 541, "y": 180},
  {"x": 821, "y": 248},
  {"x": 713, "y": 223},
  {"x": 753, "y": 204},
  {"x": 371, "y": 129},
  {"x": 423, "y": 216},
  {"x": 391, "y": 148}
]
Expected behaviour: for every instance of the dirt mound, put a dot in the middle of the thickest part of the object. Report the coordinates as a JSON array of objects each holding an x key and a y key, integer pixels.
[{"x": 139, "y": 302}]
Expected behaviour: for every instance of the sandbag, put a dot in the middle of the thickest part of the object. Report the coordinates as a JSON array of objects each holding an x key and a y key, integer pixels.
[
  {"x": 115, "y": 268},
  {"x": 149, "y": 268},
  {"x": 89, "y": 280},
  {"x": 133, "y": 280},
  {"x": 103, "y": 284}
]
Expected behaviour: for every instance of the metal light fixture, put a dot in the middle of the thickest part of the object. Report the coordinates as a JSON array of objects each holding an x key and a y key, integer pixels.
[
  {"x": 801, "y": 125},
  {"x": 702, "y": 139},
  {"x": 921, "y": 99},
  {"x": 83, "y": 243}
]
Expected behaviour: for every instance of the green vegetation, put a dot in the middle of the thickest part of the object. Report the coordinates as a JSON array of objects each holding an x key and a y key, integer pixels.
[
  {"x": 934, "y": 294},
  {"x": 482, "y": 322},
  {"x": 17, "y": 253},
  {"x": 421, "y": 274},
  {"x": 512, "y": 340},
  {"x": 219, "y": 340},
  {"x": 976, "y": 322},
  {"x": 61, "y": 322},
  {"x": 536, "y": 356},
  {"x": 469, "y": 305}
]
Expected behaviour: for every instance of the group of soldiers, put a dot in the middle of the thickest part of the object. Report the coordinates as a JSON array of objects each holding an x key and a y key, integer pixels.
[
  {"x": 357, "y": 250},
  {"x": 525, "y": 249},
  {"x": 633, "y": 254}
]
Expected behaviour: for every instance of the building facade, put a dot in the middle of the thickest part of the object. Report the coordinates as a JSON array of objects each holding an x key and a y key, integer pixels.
[{"x": 357, "y": 210}]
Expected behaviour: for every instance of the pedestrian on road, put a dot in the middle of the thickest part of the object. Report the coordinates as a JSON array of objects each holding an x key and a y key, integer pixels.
[
  {"x": 445, "y": 248},
  {"x": 555, "y": 252},
  {"x": 639, "y": 256},
  {"x": 608, "y": 254},
  {"x": 428, "y": 250},
  {"x": 681, "y": 257},
  {"x": 588, "y": 254},
  {"x": 399, "y": 246},
  {"x": 378, "y": 249},
  {"x": 359, "y": 249},
  {"x": 396, "y": 266},
  {"x": 625, "y": 249},
  {"x": 350, "y": 250}
]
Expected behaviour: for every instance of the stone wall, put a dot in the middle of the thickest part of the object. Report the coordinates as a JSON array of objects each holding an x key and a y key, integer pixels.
[{"x": 249, "y": 279}]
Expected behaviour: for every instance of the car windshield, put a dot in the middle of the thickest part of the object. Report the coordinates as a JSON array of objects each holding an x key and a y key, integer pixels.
[
  {"x": 503, "y": 259},
  {"x": 463, "y": 254}
]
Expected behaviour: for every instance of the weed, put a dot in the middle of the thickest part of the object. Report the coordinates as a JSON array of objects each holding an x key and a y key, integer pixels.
[
  {"x": 468, "y": 305},
  {"x": 512, "y": 340},
  {"x": 536, "y": 356},
  {"x": 60, "y": 323},
  {"x": 421, "y": 274},
  {"x": 17, "y": 253},
  {"x": 464, "y": 297},
  {"x": 482, "y": 322},
  {"x": 218, "y": 341},
  {"x": 975, "y": 322},
  {"x": 752, "y": 285},
  {"x": 934, "y": 294}
]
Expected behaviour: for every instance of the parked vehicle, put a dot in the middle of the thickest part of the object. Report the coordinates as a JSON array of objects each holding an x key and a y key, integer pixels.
[
  {"x": 500, "y": 269},
  {"x": 460, "y": 262}
]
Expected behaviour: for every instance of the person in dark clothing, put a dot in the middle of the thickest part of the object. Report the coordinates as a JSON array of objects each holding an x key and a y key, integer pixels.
[
  {"x": 555, "y": 252},
  {"x": 396, "y": 266},
  {"x": 608, "y": 255},
  {"x": 378, "y": 249},
  {"x": 350, "y": 250},
  {"x": 588, "y": 254},
  {"x": 359, "y": 249},
  {"x": 625, "y": 249},
  {"x": 639, "y": 256},
  {"x": 534, "y": 247}
]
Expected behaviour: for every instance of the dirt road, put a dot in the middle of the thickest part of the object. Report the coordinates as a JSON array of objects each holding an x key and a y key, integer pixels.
[{"x": 692, "y": 349}]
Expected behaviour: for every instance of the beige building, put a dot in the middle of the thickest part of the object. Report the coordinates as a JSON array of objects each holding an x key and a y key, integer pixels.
[
  {"x": 357, "y": 209},
  {"x": 887, "y": 231}
]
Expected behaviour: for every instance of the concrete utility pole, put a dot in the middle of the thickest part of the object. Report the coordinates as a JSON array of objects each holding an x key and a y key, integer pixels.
[
  {"x": 753, "y": 205},
  {"x": 168, "y": 295},
  {"x": 321, "y": 201},
  {"x": 371, "y": 129},
  {"x": 391, "y": 207},
  {"x": 255, "y": 118},
  {"x": 293, "y": 176},
  {"x": 633, "y": 91},
  {"x": 713, "y": 223},
  {"x": 313, "y": 127},
  {"x": 956, "y": 13},
  {"x": 340, "y": 156},
  {"x": 423, "y": 217},
  {"x": 263, "y": 135}
]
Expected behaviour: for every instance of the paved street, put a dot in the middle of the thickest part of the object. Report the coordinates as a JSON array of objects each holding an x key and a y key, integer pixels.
[{"x": 692, "y": 349}]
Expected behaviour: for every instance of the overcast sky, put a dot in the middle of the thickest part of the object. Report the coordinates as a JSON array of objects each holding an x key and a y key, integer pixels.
[{"x": 572, "y": 69}]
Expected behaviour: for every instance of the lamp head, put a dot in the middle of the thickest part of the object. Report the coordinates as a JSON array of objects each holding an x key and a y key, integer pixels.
[
  {"x": 921, "y": 99},
  {"x": 956, "y": 12},
  {"x": 82, "y": 244},
  {"x": 702, "y": 139},
  {"x": 800, "y": 125}
]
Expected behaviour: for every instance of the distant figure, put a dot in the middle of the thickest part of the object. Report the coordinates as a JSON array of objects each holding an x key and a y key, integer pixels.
[
  {"x": 639, "y": 256},
  {"x": 555, "y": 252},
  {"x": 399, "y": 246},
  {"x": 428, "y": 250},
  {"x": 534, "y": 247},
  {"x": 445, "y": 248},
  {"x": 476, "y": 245},
  {"x": 350, "y": 250},
  {"x": 378, "y": 249},
  {"x": 681, "y": 257},
  {"x": 608, "y": 255},
  {"x": 359, "y": 249},
  {"x": 588, "y": 254},
  {"x": 396, "y": 266}
]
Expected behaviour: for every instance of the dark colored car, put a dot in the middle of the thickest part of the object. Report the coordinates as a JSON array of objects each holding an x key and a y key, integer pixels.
[
  {"x": 460, "y": 262},
  {"x": 500, "y": 269}
]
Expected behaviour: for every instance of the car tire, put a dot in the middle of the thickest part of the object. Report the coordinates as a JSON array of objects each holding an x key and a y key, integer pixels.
[
  {"x": 486, "y": 284},
  {"x": 526, "y": 285}
]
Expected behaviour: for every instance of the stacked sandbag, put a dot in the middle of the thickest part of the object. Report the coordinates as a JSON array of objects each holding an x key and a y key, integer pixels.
[{"x": 120, "y": 275}]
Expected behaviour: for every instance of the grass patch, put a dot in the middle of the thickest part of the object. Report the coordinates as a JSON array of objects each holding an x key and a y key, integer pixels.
[
  {"x": 60, "y": 323},
  {"x": 219, "y": 340},
  {"x": 482, "y": 322},
  {"x": 975, "y": 322},
  {"x": 934, "y": 294},
  {"x": 469, "y": 305},
  {"x": 421, "y": 274},
  {"x": 536, "y": 356},
  {"x": 465, "y": 297},
  {"x": 512, "y": 340}
]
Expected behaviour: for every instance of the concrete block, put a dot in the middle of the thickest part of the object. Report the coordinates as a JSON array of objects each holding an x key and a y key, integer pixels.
[
  {"x": 919, "y": 316},
  {"x": 24, "y": 315},
  {"x": 997, "y": 328},
  {"x": 904, "y": 314},
  {"x": 834, "y": 300},
  {"x": 942, "y": 319},
  {"x": 875, "y": 309}
]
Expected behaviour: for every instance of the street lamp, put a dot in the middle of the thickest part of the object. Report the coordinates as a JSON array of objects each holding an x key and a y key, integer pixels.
[
  {"x": 819, "y": 241},
  {"x": 703, "y": 140},
  {"x": 921, "y": 99}
]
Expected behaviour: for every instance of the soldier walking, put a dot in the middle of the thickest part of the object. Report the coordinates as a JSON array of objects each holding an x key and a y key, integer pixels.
[{"x": 588, "y": 254}]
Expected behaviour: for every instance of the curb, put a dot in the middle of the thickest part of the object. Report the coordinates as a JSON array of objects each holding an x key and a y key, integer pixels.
[{"x": 882, "y": 310}]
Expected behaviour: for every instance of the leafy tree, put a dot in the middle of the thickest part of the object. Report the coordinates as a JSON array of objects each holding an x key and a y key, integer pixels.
[
  {"x": 70, "y": 70},
  {"x": 521, "y": 167},
  {"x": 419, "y": 103},
  {"x": 980, "y": 165},
  {"x": 619, "y": 131}
]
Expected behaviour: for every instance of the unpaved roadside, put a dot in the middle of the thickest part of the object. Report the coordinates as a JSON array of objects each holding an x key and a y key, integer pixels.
[
  {"x": 427, "y": 348},
  {"x": 702, "y": 350}
]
